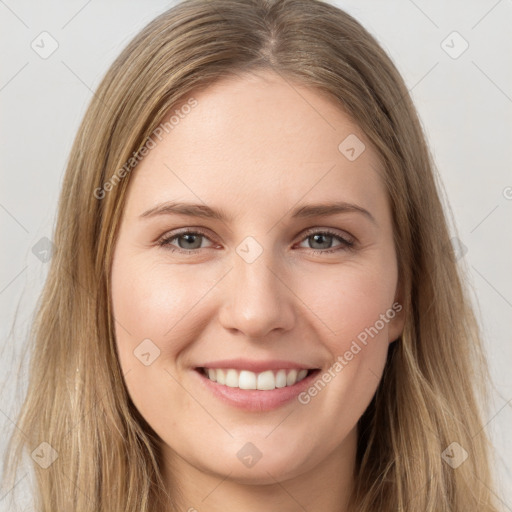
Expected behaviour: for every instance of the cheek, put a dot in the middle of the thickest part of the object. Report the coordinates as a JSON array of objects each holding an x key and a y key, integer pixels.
[
  {"x": 353, "y": 307},
  {"x": 172, "y": 305},
  {"x": 348, "y": 300},
  {"x": 153, "y": 309},
  {"x": 153, "y": 301},
  {"x": 164, "y": 302},
  {"x": 159, "y": 309}
]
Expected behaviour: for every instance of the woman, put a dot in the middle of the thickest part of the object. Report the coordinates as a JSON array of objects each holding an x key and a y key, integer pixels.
[{"x": 252, "y": 368}]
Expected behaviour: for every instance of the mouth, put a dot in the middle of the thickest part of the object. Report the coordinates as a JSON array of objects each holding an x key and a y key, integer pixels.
[
  {"x": 256, "y": 391},
  {"x": 267, "y": 380}
]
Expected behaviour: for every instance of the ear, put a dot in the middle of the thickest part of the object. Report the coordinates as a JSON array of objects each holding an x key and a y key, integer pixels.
[{"x": 397, "y": 323}]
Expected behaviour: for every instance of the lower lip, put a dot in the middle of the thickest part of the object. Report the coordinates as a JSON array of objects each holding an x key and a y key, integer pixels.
[{"x": 254, "y": 399}]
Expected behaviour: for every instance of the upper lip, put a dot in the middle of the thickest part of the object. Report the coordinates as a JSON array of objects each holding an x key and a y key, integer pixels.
[{"x": 256, "y": 366}]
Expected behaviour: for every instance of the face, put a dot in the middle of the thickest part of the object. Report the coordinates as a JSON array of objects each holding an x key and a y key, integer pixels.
[{"x": 257, "y": 285}]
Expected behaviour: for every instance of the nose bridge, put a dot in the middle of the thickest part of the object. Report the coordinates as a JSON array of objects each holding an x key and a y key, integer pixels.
[{"x": 257, "y": 301}]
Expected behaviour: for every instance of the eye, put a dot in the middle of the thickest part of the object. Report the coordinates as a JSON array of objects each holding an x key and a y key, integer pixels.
[
  {"x": 190, "y": 241},
  {"x": 325, "y": 238}
]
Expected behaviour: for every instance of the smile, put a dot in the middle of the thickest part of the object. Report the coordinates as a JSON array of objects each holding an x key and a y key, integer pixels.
[
  {"x": 263, "y": 381},
  {"x": 255, "y": 391}
]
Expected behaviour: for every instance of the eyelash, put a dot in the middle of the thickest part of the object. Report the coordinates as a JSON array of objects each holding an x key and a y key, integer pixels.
[{"x": 346, "y": 245}]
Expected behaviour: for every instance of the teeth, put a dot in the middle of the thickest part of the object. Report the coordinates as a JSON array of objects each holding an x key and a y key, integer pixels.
[
  {"x": 221, "y": 376},
  {"x": 291, "y": 377},
  {"x": 264, "y": 381},
  {"x": 247, "y": 380},
  {"x": 281, "y": 379},
  {"x": 232, "y": 378}
]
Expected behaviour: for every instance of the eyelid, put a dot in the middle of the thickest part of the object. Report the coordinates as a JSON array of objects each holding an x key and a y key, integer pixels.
[
  {"x": 344, "y": 235},
  {"x": 167, "y": 237},
  {"x": 346, "y": 238}
]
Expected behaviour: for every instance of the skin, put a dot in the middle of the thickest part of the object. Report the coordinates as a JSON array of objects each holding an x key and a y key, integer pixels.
[{"x": 255, "y": 147}]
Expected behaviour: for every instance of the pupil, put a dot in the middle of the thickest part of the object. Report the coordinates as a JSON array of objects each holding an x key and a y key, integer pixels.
[
  {"x": 326, "y": 237},
  {"x": 190, "y": 239}
]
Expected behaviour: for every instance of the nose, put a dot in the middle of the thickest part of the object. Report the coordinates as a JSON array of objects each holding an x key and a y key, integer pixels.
[{"x": 258, "y": 299}]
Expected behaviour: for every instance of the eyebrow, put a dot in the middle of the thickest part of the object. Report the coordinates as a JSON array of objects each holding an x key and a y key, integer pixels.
[{"x": 204, "y": 211}]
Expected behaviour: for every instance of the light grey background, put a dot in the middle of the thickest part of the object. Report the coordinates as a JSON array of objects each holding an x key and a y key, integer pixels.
[{"x": 465, "y": 104}]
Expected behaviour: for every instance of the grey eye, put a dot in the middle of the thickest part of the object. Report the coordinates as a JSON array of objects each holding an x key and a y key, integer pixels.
[
  {"x": 324, "y": 240},
  {"x": 192, "y": 240}
]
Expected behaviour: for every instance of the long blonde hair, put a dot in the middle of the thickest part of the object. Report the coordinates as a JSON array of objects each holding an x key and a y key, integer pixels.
[{"x": 435, "y": 381}]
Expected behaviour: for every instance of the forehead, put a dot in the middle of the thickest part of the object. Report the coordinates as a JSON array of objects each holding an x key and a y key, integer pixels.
[{"x": 261, "y": 138}]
